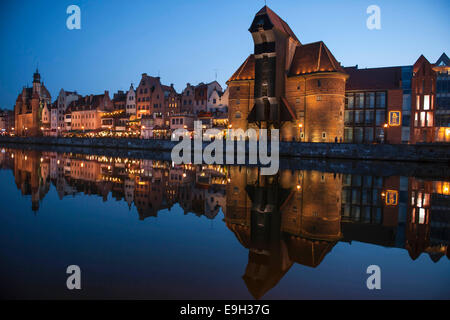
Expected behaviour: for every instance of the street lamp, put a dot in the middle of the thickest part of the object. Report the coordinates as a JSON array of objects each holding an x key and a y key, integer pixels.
[{"x": 386, "y": 126}]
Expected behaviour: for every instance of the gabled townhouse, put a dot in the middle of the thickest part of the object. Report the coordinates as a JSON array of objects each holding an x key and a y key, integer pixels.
[{"x": 86, "y": 113}]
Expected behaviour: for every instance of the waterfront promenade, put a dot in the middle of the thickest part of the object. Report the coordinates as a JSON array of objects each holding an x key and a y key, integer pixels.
[{"x": 438, "y": 153}]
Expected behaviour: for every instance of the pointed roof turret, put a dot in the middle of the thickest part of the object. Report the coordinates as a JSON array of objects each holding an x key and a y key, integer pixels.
[
  {"x": 267, "y": 19},
  {"x": 443, "y": 61},
  {"x": 36, "y": 76}
]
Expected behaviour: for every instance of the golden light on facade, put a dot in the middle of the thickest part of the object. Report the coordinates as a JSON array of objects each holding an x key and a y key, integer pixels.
[
  {"x": 299, "y": 187},
  {"x": 82, "y": 165},
  {"x": 385, "y": 125}
]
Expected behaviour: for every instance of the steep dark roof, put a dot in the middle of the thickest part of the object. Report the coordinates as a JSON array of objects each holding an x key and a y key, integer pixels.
[
  {"x": 246, "y": 71},
  {"x": 373, "y": 78},
  {"x": 277, "y": 22},
  {"x": 90, "y": 102},
  {"x": 421, "y": 61},
  {"x": 443, "y": 59},
  {"x": 312, "y": 58},
  {"x": 120, "y": 96}
]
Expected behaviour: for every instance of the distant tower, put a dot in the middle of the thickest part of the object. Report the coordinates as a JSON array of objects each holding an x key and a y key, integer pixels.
[{"x": 37, "y": 82}]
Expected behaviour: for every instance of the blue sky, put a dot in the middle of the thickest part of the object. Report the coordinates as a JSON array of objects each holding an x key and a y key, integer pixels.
[{"x": 187, "y": 41}]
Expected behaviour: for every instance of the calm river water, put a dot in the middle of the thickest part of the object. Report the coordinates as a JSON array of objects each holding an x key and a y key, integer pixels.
[{"x": 146, "y": 229}]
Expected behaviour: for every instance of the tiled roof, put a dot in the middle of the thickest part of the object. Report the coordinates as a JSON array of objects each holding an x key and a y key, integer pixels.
[
  {"x": 90, "y": 102},
  {"x": 418, "y": 64},
  {"x": 246, "y": 71},
  {"x": 312, "y": 58},
  {"x": 373, "y": 78}
]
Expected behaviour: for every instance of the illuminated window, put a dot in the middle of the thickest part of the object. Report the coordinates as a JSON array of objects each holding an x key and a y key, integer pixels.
[
  {"x": 418, "y": 102},
  {"x": 422, "y": 216},
  {"x": 422, "y": 119},
  {"x": 430, "y": 119},
  {"x": 426, "y": 102}
]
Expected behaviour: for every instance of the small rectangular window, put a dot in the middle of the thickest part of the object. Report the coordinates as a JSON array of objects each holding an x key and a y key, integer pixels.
[{"x": 426, "y": 102}]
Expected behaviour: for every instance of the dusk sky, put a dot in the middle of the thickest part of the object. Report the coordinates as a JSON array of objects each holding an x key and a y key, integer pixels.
[{"x": 187, "y": 41}]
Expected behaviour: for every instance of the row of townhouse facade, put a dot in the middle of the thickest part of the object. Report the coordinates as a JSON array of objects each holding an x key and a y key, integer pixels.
[
  {"x": 146, "y": 110},
  {"x": 6, "y": 121}
]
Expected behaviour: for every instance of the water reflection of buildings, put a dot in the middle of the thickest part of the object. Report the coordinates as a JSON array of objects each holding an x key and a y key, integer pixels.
[
  {"x": 150, "y": 186},
  {"x": 293, "y": 217},
  {"x": 298, "y": 217}
]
